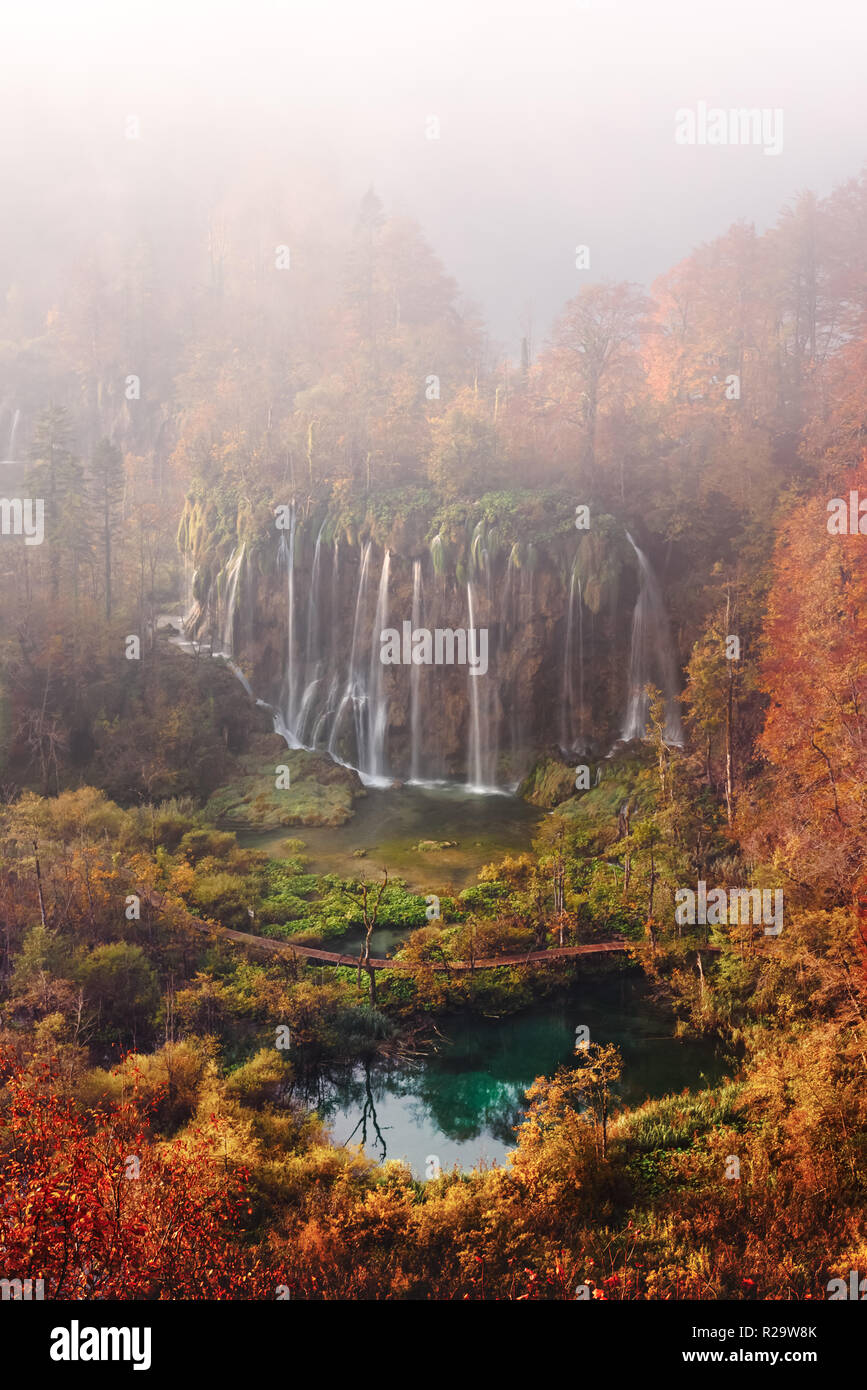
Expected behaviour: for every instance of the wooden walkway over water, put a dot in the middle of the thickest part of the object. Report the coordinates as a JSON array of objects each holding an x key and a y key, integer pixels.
[{"x": 290, "y": 948}]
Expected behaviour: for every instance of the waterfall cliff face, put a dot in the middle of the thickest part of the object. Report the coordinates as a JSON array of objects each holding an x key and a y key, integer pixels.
[{"x": 303, "y": 619}]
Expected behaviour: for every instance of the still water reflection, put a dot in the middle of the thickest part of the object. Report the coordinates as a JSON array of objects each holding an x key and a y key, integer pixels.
[{"x": 462, "y": 1102}]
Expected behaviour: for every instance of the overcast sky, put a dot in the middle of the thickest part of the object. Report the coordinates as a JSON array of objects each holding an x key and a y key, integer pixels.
[{"x": 557, "y": 117}]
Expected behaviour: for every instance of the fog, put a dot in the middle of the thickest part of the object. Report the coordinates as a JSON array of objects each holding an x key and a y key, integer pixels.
[{"x": 556, "y": 126}]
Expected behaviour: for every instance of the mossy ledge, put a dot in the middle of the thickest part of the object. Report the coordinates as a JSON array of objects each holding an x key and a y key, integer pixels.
[{"x": 320, "y": 792}]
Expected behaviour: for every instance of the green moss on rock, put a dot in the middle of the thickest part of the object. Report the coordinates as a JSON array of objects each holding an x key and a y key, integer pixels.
[
  {"x": 548, "y": 784},
  {"x": 320, "y": 792}
]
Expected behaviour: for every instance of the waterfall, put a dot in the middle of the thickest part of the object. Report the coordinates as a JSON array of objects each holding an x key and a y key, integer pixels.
[
  {"x": 312, "y": 655},
  {"x": 233, "y": 571},
  {"x": 314, "y": 607},
  {"x": 377, "y": 704},
  {"x": 332, "y": 693},
  {"x": 483, "y": 748},
  {"x": 10, "y": 447},
  {"x": 366, "y": 697},
  {"x": 353, "y": 690},
  {"x": 233, "y": 578},
  {"x": 651, "y": 658},
  {"x": 304, "y": 708},
  {"x": 511, "y": 591},
  {"x": 437, "y": 554},
  {"x": 287, "y": 557},
  {"x": 328, "y": 705},
  {"x": 415, "y": 679},
  {"x": 567, "y": 722},
  {"x": 482, "y": 754},
  {"x": 335, "y": 599}
]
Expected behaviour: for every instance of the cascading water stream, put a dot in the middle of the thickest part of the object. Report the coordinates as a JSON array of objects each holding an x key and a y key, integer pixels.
[
  {"x": 483, "y": 748},
  {"x": 475, "y": 749},
  {"x": 651, "y": 659},
  {"x": 353, "y": 693},
  {"x": 10, "y": 447},
  {"x": 567, "y": 724},
  {"x": 415, "y": 680},
  {"x": 326, "y": 713},
  {"x": 373, "y": 764},
  {"x": 312, "y": 663},
  {"x": 230, "y": 617},
  {"x": 233, "y": 571},
  {"x": 335, "y": 693},
  {"x": 287, "y": 557},
  {"x": 313, "y": 603}
]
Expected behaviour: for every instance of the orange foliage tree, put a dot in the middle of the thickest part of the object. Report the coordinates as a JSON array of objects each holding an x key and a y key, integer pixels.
[
  {"x": 91, "y": 1207},
  {"x": 814, "y": 673}
]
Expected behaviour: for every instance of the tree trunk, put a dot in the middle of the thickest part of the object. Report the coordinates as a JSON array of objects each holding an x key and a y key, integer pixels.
[{"x": 39, "y": 884}]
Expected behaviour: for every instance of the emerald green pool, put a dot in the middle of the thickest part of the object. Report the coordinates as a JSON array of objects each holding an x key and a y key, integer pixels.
[{"x": 461, "y": 1103}]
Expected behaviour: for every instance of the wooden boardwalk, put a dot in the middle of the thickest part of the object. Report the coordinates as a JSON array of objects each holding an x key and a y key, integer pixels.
[{"x": 290, "y": 948}]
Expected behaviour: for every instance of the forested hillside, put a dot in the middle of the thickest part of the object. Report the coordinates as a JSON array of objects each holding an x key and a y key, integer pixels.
[{"x": 656, "y": 515}]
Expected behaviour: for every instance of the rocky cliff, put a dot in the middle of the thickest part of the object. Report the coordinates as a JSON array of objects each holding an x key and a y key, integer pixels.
[{"x": 570, "y": 621}]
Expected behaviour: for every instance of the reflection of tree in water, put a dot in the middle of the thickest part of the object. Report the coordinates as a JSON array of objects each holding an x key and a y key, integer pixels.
[
  {"x": 368, "y": 1113},
  {"x": 313, "y": 1087},
  {"x": 360, "y": 1090},
  {"x": 477, "y": 1085},
  {"x": 466, "y": 1105},
  {"x": 462, "y": 1106}
]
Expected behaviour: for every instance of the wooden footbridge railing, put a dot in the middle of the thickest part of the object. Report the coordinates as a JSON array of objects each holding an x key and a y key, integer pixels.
[{"x": 275, "y": 947}]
